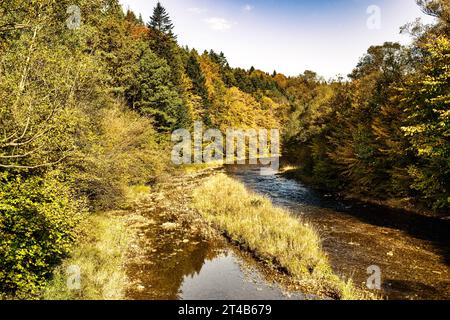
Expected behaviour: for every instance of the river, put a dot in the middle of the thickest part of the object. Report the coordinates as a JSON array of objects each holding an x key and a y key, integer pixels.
[
  {"x": 173, "y": 261},
  {"x": 412, "y": 251}
]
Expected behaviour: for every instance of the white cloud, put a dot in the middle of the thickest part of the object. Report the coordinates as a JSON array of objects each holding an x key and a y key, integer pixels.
[
  {"x": 197, "y": 10},
  {"x": 219, "y": 24},
  {"x": 248, "y": 8}
]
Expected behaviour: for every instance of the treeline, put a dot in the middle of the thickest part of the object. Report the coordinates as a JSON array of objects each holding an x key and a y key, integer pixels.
[{"x": 385, "y": 133}]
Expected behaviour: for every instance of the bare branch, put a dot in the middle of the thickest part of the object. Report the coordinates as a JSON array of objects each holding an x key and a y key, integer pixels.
[
  {"x": 9, "y": 138},
  {"x": 21, "y": 155},
  {"x": 24, "y": 131},
  {"x": 18, "y": 144}
]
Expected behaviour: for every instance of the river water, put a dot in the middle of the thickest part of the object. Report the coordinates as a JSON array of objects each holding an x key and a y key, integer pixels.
[
  {"x": 175, "y": 263},
  {"x": 412, "y": 251}
]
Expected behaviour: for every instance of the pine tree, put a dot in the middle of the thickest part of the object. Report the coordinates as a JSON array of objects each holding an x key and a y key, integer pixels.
[
  {"x": 160, "y": 20},
  {"x": 194, "y": 72},
  {"x": 163, "y": 43},
  {"x": 131, "y": 17},
  {"x": 153, "y": 94}
]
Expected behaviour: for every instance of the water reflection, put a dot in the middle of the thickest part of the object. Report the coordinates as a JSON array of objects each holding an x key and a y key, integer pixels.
[
  {"x": 162, "y": 274},
  {"x": 176, "y": 266},
  {"x": 229, "y": 277}
]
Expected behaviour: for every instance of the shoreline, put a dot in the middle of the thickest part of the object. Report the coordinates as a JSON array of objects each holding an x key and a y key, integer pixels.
[{"x": 406, "y": 206}]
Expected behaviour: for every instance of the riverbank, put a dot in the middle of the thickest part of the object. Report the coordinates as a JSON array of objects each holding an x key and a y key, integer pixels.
[
  {"x": 412, "y": 251},
  {"x": 96, "y": 269},
  {"x": 103, "y": 262},
  {"x": 179, "y": 255},
  {"x": 407, "y": 205}
]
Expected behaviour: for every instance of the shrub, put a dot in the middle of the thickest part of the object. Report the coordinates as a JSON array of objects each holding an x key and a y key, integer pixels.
[
  {"x": 38, "y": 220},
  {"x": 124, "y": 152}
]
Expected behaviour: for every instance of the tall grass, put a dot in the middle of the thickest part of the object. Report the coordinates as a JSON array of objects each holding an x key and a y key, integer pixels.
[{"x": 272, "y": 234}]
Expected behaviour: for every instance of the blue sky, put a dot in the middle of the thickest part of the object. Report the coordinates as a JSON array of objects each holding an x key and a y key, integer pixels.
[{"x": 326, "y": 36}]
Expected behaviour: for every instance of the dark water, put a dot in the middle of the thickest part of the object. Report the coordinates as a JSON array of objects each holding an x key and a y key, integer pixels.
[{"x": 412, "y": 251}]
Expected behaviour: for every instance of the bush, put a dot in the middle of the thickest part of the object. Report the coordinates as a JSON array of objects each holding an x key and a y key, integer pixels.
[
  {"x": 123, "y": 152},
  {"x": 38, "y": 220}
]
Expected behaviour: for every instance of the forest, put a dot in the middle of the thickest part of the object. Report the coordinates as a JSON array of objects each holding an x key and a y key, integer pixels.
[{"x": 87, "y": 112}]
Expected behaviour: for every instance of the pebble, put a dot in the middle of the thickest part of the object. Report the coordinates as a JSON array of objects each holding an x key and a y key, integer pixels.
[{"x": 169, "y": 226}]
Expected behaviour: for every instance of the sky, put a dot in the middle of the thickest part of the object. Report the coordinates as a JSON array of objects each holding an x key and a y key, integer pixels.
[{"x": 325, "y": 36}]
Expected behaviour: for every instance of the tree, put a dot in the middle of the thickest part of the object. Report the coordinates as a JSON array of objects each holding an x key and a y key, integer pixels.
[
  {"x": 160, "y": 20},
  {"x": 54, "y": 90},
  {"x": 153, "y": 94},
  {"x": 426, "y": 102},
  {"x": 436, "y": 8},
  {"x": 163, "y": 43},
  {"x": 195, "y": 72}
]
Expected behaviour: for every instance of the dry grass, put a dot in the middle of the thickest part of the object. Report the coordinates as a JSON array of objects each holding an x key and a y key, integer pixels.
[
  {"x": 289, "y": 168},
  {"x": 272, "y": 234}
]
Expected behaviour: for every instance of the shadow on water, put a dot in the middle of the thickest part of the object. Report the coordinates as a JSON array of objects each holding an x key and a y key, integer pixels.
[
  {"x": 229, "y": 276},
  {"x": 412, "y": 250}
]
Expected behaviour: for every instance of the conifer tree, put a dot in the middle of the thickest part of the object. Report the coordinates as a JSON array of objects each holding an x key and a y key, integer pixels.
[
  {"x": 163, "y": 42},
  {"x": 160, "y": 20},
  {"x": 194, "y": 71}
]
